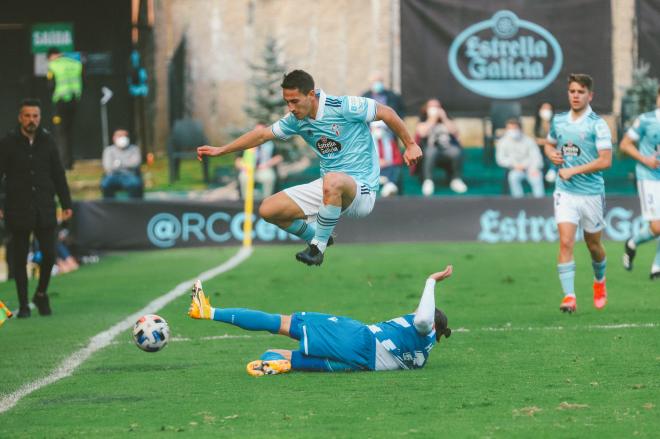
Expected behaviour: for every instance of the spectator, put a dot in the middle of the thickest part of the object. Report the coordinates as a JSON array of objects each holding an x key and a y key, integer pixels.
[
  {"x": 519, "y": 154},
  {"x": 384, "y": 139},
  {"x": 382, "y": 95},
  {"x": 542, "y": 121},
  {"x": 30, "y": 163},
  {"x": 389, "y": 156},
  {"x": 264, "y": 167},
  {"x": 438, "y": 136},
  {"x": 65, "y": 79},
  {"x": 121, "y": 163}
]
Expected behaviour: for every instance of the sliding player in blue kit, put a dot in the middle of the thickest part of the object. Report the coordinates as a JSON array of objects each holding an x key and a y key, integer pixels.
[
  {"x": 330, "y": 343},
  {"x": 337, "y": 129}
]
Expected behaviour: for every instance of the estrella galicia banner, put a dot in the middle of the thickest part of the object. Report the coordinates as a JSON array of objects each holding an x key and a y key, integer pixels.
[
  {"x": 469, "y": 53},
  {"x": 133, "y": 225},
  {"x": 648, "y": 32}
]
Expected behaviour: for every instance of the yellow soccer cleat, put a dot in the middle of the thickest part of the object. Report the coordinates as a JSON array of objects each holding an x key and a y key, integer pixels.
[
  {"x": 5, "y": 313},
  {"x": 200, "y": 308},
  {"x": 260, "y": 368}
]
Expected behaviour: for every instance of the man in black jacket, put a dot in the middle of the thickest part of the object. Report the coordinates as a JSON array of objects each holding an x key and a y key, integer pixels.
[{"x": 33, "y": 172}]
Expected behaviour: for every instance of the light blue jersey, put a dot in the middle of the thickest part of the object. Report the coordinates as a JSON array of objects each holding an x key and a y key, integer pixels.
[
  {"x": 401, "y": 339},
  {"x": 645, "y": 131},
  {"x": 579, "y": 142},
  {"x": 339, "y": 135}
]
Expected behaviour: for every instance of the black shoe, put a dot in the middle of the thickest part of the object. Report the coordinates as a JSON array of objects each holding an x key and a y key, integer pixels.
[
  {"x": 654, "y": 275},
  {"x": 23, "y": 313},
  {"x": 628, "y": 256},
  {"x": 310, "y": 256},
  {"x": 42, "y": 303}
]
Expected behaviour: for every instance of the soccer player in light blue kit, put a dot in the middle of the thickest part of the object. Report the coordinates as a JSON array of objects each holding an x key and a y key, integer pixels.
[
  {"x": 645, "y": 131},
  {"x": 337, "y": 129},
  {"x": 580, "y": 144},
  {"x": 330, "y": 343}
]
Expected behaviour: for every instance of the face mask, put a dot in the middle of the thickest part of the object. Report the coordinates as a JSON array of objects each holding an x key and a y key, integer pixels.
[
  {"x": 545, "y": 114},
  {"x": 122, "y": 142},
  {"x": 432, "y": 112},
  {"x": 514, "y": 133},
  {"x": 377, "y": 87}
]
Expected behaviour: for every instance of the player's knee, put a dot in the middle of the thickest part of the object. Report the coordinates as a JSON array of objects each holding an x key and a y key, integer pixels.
[
  {"x": 655, "y": 227},
  {"x": 267, "y": 210},
  {"x": 332, "y": 183},
  {"x": 566, "y": 242}
]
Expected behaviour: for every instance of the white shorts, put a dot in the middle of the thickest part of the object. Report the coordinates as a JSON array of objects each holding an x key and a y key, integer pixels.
[
  {"x": 649, "y": 198},
  {"x": 584, "y": 210},
  {"x": 309, "y": 197}
]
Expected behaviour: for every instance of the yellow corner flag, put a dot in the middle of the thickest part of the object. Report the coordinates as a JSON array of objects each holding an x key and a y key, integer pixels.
[
  {"x": 4, "y": 313},
  {"x": 249, "y": 159}
]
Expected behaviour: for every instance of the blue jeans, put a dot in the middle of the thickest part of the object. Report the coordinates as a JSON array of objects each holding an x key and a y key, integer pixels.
[{"x": 121, "y": 181}]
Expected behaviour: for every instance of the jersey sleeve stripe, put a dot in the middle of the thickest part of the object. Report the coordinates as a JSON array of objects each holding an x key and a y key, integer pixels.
[
  {"x": 632, "y": 134},
  {"x": 277, "y": 131},
  {"x": 371, "y": 110}
]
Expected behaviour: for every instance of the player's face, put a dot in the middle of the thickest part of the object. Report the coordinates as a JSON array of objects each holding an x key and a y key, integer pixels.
[
  {"x": 579, "y": 96},
  {"x": 299, "y": 104},
  {"x": 29, "y": 118}
]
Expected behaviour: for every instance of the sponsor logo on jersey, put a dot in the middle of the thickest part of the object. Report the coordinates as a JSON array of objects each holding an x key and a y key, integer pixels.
[
  {"x": 570, "y": 150},
  {"x": 335, "y": 129},
  {"x": 327, "y": 146}
]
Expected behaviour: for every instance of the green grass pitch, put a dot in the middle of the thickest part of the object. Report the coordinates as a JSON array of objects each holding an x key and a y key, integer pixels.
[{"x": 514, "y": 366}]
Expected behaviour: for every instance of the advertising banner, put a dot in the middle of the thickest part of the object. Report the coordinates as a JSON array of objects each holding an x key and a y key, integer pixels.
[
  {"x": 126, "y": 225},
  {"x": 470, "y": 53}
]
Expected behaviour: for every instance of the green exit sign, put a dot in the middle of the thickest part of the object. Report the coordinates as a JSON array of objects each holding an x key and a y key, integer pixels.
[{"x": 47, "y": 35}]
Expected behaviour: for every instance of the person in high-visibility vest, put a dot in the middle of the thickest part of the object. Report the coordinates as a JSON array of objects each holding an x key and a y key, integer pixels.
[{"x": 65, "y": 78}]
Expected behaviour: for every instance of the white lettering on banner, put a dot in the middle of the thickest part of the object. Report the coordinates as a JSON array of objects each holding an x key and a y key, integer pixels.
[
  {"x": 619, "y": 226},
  {"x": 164, "y": 230}
]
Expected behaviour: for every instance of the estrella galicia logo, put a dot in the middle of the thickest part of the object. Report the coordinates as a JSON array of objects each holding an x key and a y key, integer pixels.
[
  {"x": 570, "y": 150},
  {"x": 327, "y": 146},
  {"x": 505, "y": 57}
]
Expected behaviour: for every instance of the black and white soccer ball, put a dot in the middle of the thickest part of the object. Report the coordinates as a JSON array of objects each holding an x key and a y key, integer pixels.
[{"x": 151, "y": 333}]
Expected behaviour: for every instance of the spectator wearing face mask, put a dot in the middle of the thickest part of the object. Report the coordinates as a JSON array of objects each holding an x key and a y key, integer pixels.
[
  {"x": 382, "y": 95},
  {"x": 121, "y": 163},
  {"x": 542, "y": 120},
  {"x": 519, "y": 154}
]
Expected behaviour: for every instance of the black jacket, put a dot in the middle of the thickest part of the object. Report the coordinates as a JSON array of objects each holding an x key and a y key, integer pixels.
[{"x": 33, "y": 175}]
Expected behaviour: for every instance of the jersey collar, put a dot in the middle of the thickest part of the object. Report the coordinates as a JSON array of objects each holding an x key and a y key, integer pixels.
[
  {"x": 581, "y": 118},
  {"x": 319, "y": 111}
]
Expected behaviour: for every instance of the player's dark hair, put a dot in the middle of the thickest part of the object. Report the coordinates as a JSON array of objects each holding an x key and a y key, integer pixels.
[
  {"x": 298, "y": 79},
  {"x": 583, "y": 79},
  {"x": 513, "y": 121},
  {"x": 441, "y": 323},
  {"x": 53, "y": 51},
  {"x": 29, "y": 102}
]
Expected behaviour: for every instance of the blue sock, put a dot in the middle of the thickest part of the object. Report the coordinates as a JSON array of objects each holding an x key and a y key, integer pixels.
[
  {"x": 642, "y": 235},
  {"x": 599, "y": 269},
  {"x": 301, "y": 229},
  {"x": 326, "y": 220},
  {"x": 270, "y": 355},
  {"x": 300, "y": 361},
  {"x": 656, "y": 261},
  {"x": 248, "y": 319},
  {"x": 567, "y": 277}
]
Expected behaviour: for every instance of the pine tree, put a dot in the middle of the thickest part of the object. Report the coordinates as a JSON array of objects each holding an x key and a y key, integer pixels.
[
  {"x": 640, "y": 96},
  {"x": 265, "y": 102}
]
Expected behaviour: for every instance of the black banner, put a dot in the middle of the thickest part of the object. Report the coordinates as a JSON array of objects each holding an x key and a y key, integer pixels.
[
  {"x": 648, "y": 32},
  {"x": 152, "y": 225},
  {"x": 469, "y": 53}
]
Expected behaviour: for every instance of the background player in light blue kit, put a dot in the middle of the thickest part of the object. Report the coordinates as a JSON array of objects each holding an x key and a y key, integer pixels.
[
  {"x": 337, "y": 129},
  {"x": 645, "y": 131},
  {"x": 331, "y": 343},
  {"x": 580, "y": 144}
]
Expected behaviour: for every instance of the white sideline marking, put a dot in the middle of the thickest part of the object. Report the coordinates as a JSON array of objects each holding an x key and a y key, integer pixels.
[{"x": 103, "y": 339}]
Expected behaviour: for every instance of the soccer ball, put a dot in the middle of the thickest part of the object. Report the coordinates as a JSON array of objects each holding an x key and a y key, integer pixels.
[{"x": 151, "y": 333}]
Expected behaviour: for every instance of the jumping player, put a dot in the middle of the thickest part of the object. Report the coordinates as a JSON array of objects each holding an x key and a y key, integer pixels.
[
  {"x": 645, "y": 131},
  {"x": 337, "y": 129},
  {"x": 580, "y": 144},
  {"x": 332, "y": 343}
]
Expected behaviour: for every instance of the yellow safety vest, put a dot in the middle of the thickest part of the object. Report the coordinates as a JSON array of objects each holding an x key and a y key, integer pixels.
[{"x": 67, "y": 73}]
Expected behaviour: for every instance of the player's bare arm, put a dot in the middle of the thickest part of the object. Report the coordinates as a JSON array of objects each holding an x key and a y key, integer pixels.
[
  {"x": 413, "y": 153},
  {"x": 553, "y": 154},
  {"x": 603, "y": 162},
  {"x": 628, "y": 147},
  {"x": 248, "y": 140}
]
